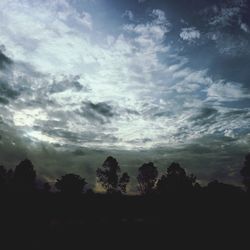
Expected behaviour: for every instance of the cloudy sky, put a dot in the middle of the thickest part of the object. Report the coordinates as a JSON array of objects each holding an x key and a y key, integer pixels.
[{"x": 142, "y": 80}]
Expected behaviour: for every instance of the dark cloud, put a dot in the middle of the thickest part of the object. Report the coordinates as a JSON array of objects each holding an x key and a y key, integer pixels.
[
  {"x": 97, "y": 112},
  {"x": 204, "y": 116},
  {"x": 164, "y": 113},
  {"x": 4, "y": 61},
  {"x": 101, "y": 108},
  {"x": 3, "y": 100},
  {"x": 239, "y": 112},
  {"x": 7, "y": 92},
  {"x": 68, "y": 83},
  {"x": 68, "y": 135}
]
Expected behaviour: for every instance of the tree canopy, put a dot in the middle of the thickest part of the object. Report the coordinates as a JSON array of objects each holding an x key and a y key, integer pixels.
[
  {"x": 108, "y": 176},
  {"x": 70, "y": 184},
  {"x": 147, "y": 178}
]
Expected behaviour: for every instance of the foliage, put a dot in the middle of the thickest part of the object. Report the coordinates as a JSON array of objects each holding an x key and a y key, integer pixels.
[
  {"x": 108, "y": 176},
  {"x": 24, "y": 176},
  {"x": 147, "y": 178},
  {"x": 175, "y": 180},
  {"x": 71, "y": 184}
]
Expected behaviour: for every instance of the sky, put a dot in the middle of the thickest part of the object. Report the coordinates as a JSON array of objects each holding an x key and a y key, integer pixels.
[{"x": 141, "y": 80}]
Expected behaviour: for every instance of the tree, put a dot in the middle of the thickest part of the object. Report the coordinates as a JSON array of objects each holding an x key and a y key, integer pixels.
[
  {"x": 147, "y": 177},
  {"x": 109, "y": 177},
  {"x": 3, "y": 178},
  {"x": 70, "y": 184},
  {"x": 175, "y": 180},
  {"x": 245, "y": 172},
  {"x": 24, "y": 176},
  {"x": 124, "y": 180}
]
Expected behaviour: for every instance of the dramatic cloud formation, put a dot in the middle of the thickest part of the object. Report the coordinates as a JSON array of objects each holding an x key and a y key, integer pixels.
[{"x": 141, "y": 83}]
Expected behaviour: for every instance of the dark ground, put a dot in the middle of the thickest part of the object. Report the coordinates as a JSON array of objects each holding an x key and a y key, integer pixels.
[{"x": 55, "y": 221}]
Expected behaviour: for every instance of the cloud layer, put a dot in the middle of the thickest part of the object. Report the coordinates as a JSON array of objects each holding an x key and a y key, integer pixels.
[{"x": 67, "y": 82}]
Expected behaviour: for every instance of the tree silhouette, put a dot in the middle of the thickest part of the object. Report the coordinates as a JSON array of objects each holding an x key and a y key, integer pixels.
[
  {"x": 147, "y": 177},
  {"x": 175, "y": 180},
  {"x": 3, "y": 178},
  {"x": 245, "y": 172},
  {"x": 109, "y": 178},
  {"x": 70, "y": 184},
  {"x": 124, "y": 180},
  {"x": 24, "y": 176}
]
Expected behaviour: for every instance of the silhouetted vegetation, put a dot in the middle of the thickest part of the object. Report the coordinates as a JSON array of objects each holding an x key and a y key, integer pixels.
[
  {"x": 174, "y": 200},
  {"x": 70, "y": 184},
  {"x": 245, "y": 172},
  {"x": 24, "y": 176},
  {"x": 109, "y": 178},
  {"x": 176, "y": 180},
  {"x": 147, "y": 178}
]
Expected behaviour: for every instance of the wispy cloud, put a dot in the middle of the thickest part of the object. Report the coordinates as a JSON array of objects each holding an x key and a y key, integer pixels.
[
  {"x": 190, "y": 34},
  {"x": 129, "y": 14},
  {"x": 104, "y": 80}
]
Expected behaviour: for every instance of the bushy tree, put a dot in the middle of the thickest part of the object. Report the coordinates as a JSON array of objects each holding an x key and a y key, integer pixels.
[
  {"x": 108, "y": 176},
  {"x": 175, "y": 180},
  {"x": 147, "y": 177},
  {"x": 70, "y": 184}
]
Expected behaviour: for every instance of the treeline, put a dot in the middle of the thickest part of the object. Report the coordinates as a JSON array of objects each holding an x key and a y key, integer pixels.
[
  {"x": 23, "y": 179},
  {"x": 172, "y": 204}
]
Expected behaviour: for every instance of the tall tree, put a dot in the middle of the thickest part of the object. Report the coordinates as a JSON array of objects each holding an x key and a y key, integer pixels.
[
  {"x": 24, "y": 176},
  {"x": 147, "y": 177},
  {"x": 245, "y": 172},
  {"x": 124, "y": 180},
  {"x": 108, "y": 176},
  {"x": 175, "y": 180}
]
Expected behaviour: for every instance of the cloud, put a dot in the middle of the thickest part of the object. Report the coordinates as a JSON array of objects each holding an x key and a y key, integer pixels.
[
  {"x": 204, "y": 114},
  {"x": 226, "y": 13},
  {"x": 244, "y": 27},
  {"x": 129, "y": 14},
  {"x": 101, "y": 108},
  {"x": 100, "y": 112},
  {"x": 44, "y": 27},
  {"x": 86, "y": 19},
  {"x": 230, "y": 45},
  {"x": 225, "y": 21},
  {"x": 160, "y": 17},
  {"x": 79, "y": 87},
  {"x": 66, "y": 83},
  {"x": 4, "y": 61},
  {"x": 121, "y": 87},
  {"x": 190, "y": 34},
  {"x": 226, "y": 91},
  {"x": 7, "y": 92}
]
